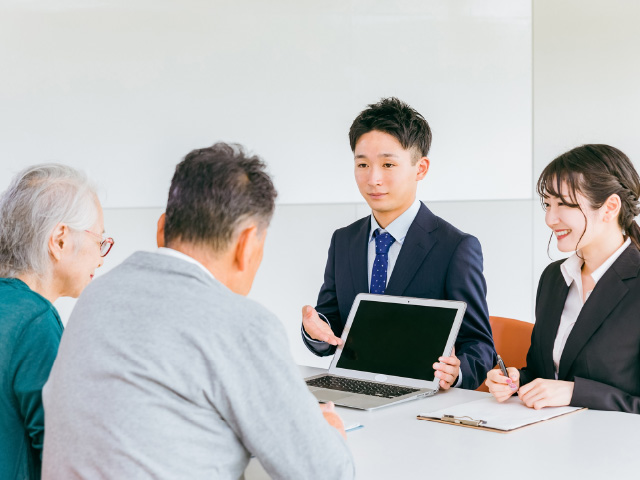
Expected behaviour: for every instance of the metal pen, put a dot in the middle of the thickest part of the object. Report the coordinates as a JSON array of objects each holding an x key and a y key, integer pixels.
[{"x": 502, "y": 367}]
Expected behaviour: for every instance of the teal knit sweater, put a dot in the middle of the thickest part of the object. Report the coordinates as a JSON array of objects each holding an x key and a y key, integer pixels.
[{"x": 30, "y": 331}]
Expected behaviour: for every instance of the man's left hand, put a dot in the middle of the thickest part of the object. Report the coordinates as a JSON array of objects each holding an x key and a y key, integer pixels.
[{"x": 447, "y": 370}]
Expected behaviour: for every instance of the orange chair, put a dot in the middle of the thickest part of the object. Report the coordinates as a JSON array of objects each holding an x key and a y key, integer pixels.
[{"x": 512, "y": 339}]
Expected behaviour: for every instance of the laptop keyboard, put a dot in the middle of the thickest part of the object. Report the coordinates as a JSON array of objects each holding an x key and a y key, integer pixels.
[{"x": 360, "y": 386}]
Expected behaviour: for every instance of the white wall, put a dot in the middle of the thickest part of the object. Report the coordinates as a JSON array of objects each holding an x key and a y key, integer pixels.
[
  {"x": 585, "y": 85},
  {"x": 584, "y": 89},
  {"x": 133, "y": 85}
]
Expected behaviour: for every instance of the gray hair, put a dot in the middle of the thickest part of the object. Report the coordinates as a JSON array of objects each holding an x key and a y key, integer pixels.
[
  {"x": 39, "y": 198},
  {"x": 213, "y": 191}
]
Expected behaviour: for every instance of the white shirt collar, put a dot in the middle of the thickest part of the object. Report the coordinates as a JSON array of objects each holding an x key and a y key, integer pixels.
[
  {"x": 572, "y": 266},
  {"x": 400, "y": 226},
  {"x": 571, "y": 269},
  {"x": 174, "y": 253}
]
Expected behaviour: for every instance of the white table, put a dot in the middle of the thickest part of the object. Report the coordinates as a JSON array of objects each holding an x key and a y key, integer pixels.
[{"x": 394, "y": 445}]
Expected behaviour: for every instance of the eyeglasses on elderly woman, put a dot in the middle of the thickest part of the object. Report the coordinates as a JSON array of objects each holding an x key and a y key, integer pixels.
[{"x": 105, "y": 244}]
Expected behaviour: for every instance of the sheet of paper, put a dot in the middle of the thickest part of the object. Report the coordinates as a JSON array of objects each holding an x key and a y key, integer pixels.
[{"x": 508, "y": 415}]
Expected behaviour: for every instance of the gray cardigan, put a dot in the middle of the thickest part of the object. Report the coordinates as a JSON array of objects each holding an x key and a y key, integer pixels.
[{"x": 163, "y": 372}]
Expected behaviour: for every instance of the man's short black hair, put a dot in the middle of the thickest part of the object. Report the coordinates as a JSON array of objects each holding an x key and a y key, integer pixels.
[
  {"x": 393, "y": 116},
  {"x": 213, "y": 191}
]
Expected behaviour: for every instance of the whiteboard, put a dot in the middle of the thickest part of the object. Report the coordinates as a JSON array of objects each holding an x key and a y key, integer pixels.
[{"x": 124, "y": 89}]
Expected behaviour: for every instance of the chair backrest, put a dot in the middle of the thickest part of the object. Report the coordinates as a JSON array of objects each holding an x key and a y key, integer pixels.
[{"x": 512, "y": 339}]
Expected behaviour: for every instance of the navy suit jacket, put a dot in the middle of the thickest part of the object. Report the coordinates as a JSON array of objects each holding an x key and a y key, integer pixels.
[
  {"x": 602, "y": 353},
  {"x": 436, "y": 261}
]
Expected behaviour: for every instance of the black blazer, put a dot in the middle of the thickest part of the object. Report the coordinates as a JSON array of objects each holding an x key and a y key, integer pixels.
[
  {"x": 436, "y": 261},
  {"x": 602, "y": 353}
]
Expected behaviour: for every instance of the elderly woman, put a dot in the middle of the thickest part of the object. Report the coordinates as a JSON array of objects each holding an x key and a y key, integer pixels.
[{"x": 51, "y": 242}]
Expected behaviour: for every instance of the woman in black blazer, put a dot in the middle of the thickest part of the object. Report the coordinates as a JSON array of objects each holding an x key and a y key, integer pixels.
[{"x": 585, "y": 345}]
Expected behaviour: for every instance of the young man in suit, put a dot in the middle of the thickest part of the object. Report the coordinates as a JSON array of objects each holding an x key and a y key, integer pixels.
[{"x": 402, "y": 248}]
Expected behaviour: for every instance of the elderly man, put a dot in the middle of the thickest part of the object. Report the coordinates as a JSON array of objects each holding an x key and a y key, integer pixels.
[{"x": 166, "y": 370}]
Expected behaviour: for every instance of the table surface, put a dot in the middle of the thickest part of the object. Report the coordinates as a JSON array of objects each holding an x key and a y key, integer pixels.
[{"x": 395, "y": 445}]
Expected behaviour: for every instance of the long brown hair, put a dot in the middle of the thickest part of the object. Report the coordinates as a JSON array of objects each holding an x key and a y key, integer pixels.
[{"x": 597, "y": 172}]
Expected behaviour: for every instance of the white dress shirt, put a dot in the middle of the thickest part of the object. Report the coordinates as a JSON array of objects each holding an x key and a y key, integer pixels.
[
  {"x": 398, "y": 230},
  {"x": 571, "y": 270}
]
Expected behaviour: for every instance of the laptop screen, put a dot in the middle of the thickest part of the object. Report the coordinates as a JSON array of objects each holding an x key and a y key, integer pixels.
[{"x": 397, "y": 339}]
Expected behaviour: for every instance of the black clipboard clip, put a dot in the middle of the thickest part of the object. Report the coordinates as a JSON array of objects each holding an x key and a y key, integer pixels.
[{"x": 463, "y": 420}]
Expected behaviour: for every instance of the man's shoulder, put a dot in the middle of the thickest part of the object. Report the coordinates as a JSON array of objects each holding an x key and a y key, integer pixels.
[
  {"x": 429, "y": 222},
  {"x": 172, "y": 298},
  {"x": 354, "y": 228},
  {"x": 248, "y": 312},
  {"x": 163, "y": 284},
  {"x": 425, "y": 222},
  {"x": 175, "y": 281},
  {"x": 144, "y": 266}
]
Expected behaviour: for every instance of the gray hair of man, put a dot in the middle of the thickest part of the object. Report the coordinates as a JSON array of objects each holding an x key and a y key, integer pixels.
[
  {"x": 213, "y": 191},
  {"x": 39, "y": 198}
]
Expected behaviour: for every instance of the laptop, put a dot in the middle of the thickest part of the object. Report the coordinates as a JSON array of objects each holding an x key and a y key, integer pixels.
[{"x": 390, "y": 346}]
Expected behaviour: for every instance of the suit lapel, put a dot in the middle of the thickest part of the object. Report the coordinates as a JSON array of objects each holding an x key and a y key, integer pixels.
[
  {"x": 554, "y": 300},
  {"x": 358, "y": 252},
  {"x": 609, "y": 291},
  {"x": 419, "y": 241}
]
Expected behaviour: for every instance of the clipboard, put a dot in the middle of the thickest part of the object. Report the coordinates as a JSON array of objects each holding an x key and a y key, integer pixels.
[{"x": 488, "y": 414}]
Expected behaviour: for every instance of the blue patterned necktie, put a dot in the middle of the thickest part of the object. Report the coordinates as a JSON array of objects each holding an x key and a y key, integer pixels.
[{"x": 381, "y": 263}]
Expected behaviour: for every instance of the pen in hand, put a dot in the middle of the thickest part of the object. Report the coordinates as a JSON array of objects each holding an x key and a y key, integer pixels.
[{"x": 505, "y": 373}]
